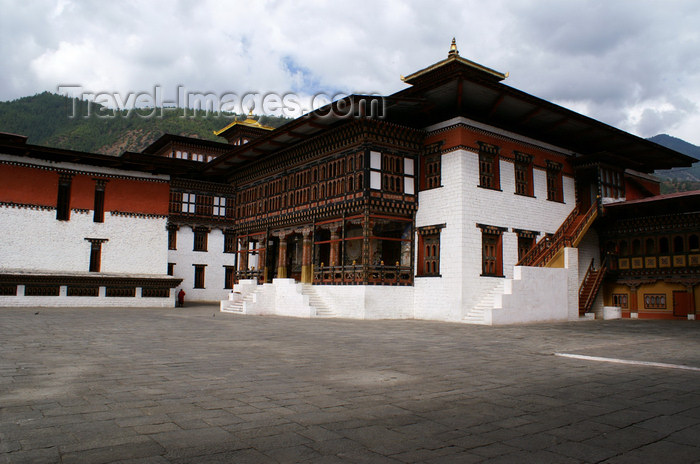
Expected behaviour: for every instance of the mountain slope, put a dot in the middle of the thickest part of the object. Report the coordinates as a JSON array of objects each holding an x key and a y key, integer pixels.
[
  {"x": 46, "y": 119},
  {"x": 679, "y": 179}
]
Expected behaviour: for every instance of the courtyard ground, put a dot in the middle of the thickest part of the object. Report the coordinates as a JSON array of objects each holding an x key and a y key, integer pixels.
[{"x": 195, "y": 385}]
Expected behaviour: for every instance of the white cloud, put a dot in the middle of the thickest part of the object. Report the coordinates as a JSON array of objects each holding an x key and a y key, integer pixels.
[{"x": 632, "y": 64}]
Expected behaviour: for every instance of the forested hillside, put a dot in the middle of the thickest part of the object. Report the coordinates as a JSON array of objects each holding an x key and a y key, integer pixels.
[{"x": 46, "y": 119}]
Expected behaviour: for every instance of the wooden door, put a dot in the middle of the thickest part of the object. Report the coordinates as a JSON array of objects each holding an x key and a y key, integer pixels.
[{"x": 682, "y": 303}]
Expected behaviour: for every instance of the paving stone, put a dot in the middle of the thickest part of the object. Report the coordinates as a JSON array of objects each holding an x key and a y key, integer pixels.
[{"x": 154, "y": 386}]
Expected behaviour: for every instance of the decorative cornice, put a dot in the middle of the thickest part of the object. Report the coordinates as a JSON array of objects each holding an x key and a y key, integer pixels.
[
  {"x": 138, "y": 215},
  {"x": 9, "y": 204},
  {"x": 73, "y": 172}
]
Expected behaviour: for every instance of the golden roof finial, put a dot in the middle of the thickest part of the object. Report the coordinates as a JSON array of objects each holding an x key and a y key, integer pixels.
[{"x": 453, "y": 48}]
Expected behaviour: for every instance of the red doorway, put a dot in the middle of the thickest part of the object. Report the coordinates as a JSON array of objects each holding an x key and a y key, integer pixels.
[{"x": 682, "y": 303}]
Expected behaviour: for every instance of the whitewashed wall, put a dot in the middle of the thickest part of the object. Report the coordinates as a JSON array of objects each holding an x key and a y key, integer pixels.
[
  {"x": 33, "y": 240},
  {"x": 214, "y": 258}
]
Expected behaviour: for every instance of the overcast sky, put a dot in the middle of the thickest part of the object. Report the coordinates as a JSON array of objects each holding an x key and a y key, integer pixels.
[{"x": 632, "y": 64}]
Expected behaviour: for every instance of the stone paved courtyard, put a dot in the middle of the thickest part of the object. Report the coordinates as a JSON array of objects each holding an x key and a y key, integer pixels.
[{"x": 195, "y": 385}]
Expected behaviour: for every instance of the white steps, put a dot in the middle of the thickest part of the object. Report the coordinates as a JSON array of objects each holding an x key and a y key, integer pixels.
[
  {"x": 477, "y": 315},
  {"x": 317, "y": 304},
  {"x": 239, "y": 306}
]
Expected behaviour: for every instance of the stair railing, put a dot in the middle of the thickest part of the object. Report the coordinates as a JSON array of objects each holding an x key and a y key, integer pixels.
[
  {"x": 545, "y": 249},
  {"x": 590, "y": 298}
]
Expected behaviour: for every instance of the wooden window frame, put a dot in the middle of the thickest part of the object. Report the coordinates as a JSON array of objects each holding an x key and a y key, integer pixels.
[
  {"x": 63, "y": 198},
  {"x": 99, "y": 204},
  {"x": 621, "y": 300},
  {"x": 229, "y": 277},
  {"x": 429, "y": 251},
  {"x": 489, "y": 167},
  {"x": 491, "y": 262},
  {"x": 555, "y": 182},
  {"x": 95, "y": 263},
  {"x": 200, "y": 239},
  {"x": 199, "y": 275},
  {"x": 522, "y": 167},
  {"x": 172, "y": 236}
]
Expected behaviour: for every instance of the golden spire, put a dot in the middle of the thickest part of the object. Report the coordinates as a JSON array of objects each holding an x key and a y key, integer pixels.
[{"x": 453, "y": 48}]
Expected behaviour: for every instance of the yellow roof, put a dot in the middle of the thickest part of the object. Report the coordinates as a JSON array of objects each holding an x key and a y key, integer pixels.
[{"x": 249, "y": 122}]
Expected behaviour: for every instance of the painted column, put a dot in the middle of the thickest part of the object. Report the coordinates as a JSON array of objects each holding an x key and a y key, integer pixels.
[
  {"x": 634, "y": 310},
  {"x": 335, "y": 247},
  {"x": 282, "y": 258},
  {"x": 306, "y": 270},
  {"x": 243, "y": 249}
]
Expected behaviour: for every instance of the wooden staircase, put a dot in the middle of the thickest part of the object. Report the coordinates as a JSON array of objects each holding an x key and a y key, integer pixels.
[
  {"x": 569, "y": 234},
  {"x": 589, "y": 287}
]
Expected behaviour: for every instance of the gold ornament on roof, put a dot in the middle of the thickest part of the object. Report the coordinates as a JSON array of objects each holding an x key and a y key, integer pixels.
[{"x": 453, "y": 48}]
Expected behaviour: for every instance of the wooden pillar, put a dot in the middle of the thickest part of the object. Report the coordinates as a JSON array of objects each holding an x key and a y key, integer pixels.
[
  {"x": 306, "y": 269},
  {"x": 282, "y": 258},
  {"x": 243, "y": 259},
  {"x": 633, "y": 304},
  {"x": 335, "y": 247},
  {"x": 264, "y": 255}
]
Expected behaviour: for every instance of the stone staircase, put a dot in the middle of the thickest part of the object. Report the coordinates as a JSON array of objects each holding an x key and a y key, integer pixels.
[
  {"x": 239, "y": 307},
  {"x": 317, "y": 304},
  {"x": 477, "y": 315}
]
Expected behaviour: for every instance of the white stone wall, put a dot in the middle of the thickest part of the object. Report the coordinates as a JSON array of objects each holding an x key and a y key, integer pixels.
[
  {"x": 85, "y": 301},
  {"x": 535, "y": 294},
  {"x": 214, "y": 258},
  {"x": 441, "y": 298},
  {"x": 369, "y": 301},
  {"x": 33, "y": 240}
]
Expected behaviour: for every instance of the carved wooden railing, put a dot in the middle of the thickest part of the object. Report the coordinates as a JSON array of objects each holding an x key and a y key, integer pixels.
[
  {"x": 250, "y": 274},
  {"x": 548, "y": 247},
  {"x": 358, "y": 274}
]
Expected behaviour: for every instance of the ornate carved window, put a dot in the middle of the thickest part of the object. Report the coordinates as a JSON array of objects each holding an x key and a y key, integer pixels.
[
  {"x": 526, "y": 240},
  {"x": 619, "y": 299},
  {"x": 612, "y": 183},
  {"x": 189, "y": 203},
  {"x": 555, "y": 189},
  {"x": 219, "y": 206},
  {"x": 229, "y": 241},
  {"x": 491, "y": 250},
  {"x": 489, "y": 175},
  {"x": 523, "y": 174},
  {"x": 432, "y": 166},
  {"x": 429, "y": 251},
  {"x": 654, "y": 301}
]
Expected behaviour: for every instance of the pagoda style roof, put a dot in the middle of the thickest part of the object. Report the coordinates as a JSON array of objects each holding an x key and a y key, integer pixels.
[
  {"x": 249, "y": 122},
  {"x": 453, "y": 60},
  {"x": 171, "y": 139},
  {"x": 458, "y": 87}
]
